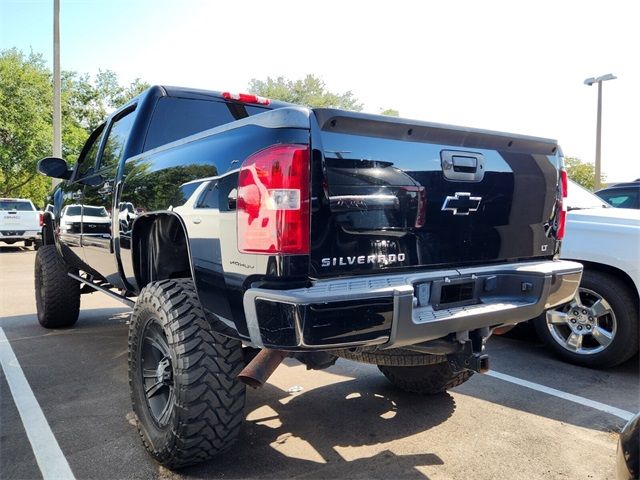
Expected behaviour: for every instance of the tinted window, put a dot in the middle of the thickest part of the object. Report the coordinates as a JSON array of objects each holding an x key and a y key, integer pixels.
[
  {"x": 187, "y": 190},
  {"x": 209, "y": 198},
  {"x": 126, "y": 207},
  {"x": 227, "y": 192},
  {"x": 176, "y": 118},
  {"x": 621, "y": 198},
  {"x": 20, "y": 206},
  {"x": 73, "y": 210},
  {"x": 118, "y": 134},
  {"x": 95, "y": 211},
  {"x": 90, "y": 152}
]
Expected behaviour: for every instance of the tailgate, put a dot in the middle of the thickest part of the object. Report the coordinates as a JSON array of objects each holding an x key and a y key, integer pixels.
[
  {"x": 399, "y": 194},
  {"x": 12, "y": 220}
]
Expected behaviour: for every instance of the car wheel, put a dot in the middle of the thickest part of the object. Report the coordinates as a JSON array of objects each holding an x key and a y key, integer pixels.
[
  {"x": 599, "y": 328},
  {"x": 57, "y": 294},
  {"x": 183, "y": 376}
]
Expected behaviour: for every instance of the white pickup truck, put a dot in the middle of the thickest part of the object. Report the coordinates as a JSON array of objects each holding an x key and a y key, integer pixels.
[
  {"x": 600, "y": 327},
  {"x": 20, "y": 221}
]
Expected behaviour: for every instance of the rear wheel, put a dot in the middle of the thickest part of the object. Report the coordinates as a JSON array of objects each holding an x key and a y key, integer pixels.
[
  {"x": 57, "y": 294},
  {"x": 425, "y": 379},
  {"x": 188, "y": 401},
  {"x": 598, "y": 328}
]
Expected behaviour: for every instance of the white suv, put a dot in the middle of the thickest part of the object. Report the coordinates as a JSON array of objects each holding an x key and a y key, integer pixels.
[{"x": 599, "y": 328}]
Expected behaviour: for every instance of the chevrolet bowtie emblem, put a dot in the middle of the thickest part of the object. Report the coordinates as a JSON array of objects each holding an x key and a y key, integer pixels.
[{"x": 462, "y": 203}]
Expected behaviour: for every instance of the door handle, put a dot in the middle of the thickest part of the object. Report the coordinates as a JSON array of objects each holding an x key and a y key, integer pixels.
[{"x": 196, "y": 220}]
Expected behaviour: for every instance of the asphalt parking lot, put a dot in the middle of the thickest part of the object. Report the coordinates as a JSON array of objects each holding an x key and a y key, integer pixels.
[{"x": 346, "y": 421}]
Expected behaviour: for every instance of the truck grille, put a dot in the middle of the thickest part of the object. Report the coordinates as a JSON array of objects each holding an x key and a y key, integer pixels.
[
  {"x": 96, "y": 228},
  {"x": 12, "y": 233}
]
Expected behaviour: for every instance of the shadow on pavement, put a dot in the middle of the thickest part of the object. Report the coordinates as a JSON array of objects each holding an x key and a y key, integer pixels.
[
  {"x": 89, "y": 319},
  {"x": 14, "y": 248},
  {"x": 521, "y": 354},
  {"x": 334, "y": 431},
  {"x": 322, "y": 433}
]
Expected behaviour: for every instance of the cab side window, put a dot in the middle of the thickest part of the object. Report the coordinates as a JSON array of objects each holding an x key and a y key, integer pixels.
[
  {"x": 118, "y": 135},
  {"x": 209, "y": 197},
  {"x": 89, "y": 153}
]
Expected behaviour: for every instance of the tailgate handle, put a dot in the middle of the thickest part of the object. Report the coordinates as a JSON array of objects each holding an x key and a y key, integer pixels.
[{"x": 462, "y": 166}]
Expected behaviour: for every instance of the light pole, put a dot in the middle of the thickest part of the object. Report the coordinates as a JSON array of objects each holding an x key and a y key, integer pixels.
[
  {"x": 57, "y": 114},
  {"x": 590, "y": 81}
]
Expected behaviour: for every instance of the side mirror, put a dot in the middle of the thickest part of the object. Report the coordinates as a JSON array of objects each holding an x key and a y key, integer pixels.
[{"x": 54, "y": 167}]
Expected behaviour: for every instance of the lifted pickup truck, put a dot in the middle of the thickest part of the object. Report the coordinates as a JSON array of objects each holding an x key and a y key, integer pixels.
[
  {"x": 311, "y": 233},
  {"x": 19, "y": 221}
]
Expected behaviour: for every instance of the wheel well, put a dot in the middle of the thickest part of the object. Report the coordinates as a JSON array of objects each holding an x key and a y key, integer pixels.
[
  {"x": 47, "y": 230},
  {"x": 620, "y": 274},
  {"x": 160, "y": 249}
]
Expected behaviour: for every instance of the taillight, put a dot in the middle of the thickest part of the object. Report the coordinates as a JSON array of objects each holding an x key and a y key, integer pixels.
[
  {"x": 41, "y": 215},
  {"x": 273, "y": 201},
  {"x": 562, "y": 218},
  {"x": 245, "y": 98}
]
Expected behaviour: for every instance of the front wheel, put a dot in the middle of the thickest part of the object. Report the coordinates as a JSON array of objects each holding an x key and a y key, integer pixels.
[
  {"x": 425, "y": 379},
  {"x": 188, "y": 401},
  {"x": 57, "y": 294},
  {"x": 598, "y": 328}
]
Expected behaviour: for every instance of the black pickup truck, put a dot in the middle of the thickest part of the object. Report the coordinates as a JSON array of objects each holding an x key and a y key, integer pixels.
[{"x": 250, "y": 230}]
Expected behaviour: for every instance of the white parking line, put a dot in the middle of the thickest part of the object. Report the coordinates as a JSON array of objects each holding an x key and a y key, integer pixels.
[
  {"x": 603, "y": 407},
  {"x": 51, "y": 460}
]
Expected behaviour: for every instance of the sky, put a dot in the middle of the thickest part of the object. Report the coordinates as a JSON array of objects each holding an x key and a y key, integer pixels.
[{"x": 502, "y": 65}]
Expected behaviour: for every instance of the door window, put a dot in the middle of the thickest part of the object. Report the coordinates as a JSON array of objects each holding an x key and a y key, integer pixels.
[
  {"x": 209, "y": 198},
  {"x": 89, "y": 153},
  {"x": 118, "y": 134}
]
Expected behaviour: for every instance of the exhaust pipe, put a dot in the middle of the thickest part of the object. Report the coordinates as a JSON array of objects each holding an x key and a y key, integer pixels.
[{"x": 260, "y": 368}]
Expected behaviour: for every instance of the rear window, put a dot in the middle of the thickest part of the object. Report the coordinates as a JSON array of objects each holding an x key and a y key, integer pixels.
[
  {"x": 16, "y": 205},
  {"x": 175, "y": 118}
]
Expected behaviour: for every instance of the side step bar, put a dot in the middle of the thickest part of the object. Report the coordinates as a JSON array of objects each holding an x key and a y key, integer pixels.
[{"x": 102, "y": 289}]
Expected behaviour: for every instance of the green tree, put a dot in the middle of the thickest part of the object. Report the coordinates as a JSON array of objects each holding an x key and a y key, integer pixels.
[
  {"x": 581, "y": 172},
  {"x": 91, "y": 100},
  {"x": 26, "y": 114},
  {"x": 309, "y": 91},
  {"x": 391, "y": 112},
  {"x": 25, "y": 123}
]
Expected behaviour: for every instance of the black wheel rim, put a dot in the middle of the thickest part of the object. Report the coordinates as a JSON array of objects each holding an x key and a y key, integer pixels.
[{"x": 157, "y": 373}]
